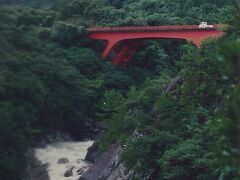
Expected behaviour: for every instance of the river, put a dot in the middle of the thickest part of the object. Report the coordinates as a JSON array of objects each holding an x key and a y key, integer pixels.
[{"x": 73, "y": 153}]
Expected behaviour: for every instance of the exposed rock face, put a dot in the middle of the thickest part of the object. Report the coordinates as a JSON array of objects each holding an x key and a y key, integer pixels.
[
  {"x": 171, "y": 86},
  {"x": 82, "y": 170},
  {"x": 63, "y": 161},
  {"x": 93, "y": 153},
  {"x": 108, "y": 167}
]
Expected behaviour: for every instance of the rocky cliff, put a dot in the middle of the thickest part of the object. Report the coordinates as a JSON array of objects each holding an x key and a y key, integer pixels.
[{"x": 108, "y": 166}]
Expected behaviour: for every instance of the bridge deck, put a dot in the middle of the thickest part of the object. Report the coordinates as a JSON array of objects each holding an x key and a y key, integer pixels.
[{"x": 152, "y": 28}]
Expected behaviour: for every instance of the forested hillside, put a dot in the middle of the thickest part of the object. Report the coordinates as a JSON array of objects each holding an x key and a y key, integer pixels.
[
  {"x": 31, "y": 3},
  {"x": 53, "y": 81}
]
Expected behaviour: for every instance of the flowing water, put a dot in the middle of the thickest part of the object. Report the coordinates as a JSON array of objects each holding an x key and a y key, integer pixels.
[{"x": 74, "y": 152}]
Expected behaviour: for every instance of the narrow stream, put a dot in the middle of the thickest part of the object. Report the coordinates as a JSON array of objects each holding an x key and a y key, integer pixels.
[{"x": 63, "y": 157}]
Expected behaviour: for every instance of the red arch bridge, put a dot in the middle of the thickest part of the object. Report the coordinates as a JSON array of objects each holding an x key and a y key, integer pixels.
[{"x": 132, "y": 35}]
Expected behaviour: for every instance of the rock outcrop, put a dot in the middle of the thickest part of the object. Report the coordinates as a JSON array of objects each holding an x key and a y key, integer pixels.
[
  {"x": 108, "y": 166},
  {"x": 93, "y": 153},
  {"x": 82, "y": 170},
  {"x": 172, "y": 84}
]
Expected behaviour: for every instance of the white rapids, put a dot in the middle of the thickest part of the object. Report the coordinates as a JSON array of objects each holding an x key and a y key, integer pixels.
[{"x": 74, "y": 151}]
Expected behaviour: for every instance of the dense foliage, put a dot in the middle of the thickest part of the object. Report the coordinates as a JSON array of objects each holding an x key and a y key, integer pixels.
[
  {"x": 50, "y": 83},
  {"x": 53, "y": 81}
]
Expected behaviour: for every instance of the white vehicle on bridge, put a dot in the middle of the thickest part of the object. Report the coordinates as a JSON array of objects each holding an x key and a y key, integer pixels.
[{"x": 205, "y": 25}]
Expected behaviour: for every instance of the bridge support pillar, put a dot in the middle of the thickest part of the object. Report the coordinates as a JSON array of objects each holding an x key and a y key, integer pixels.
[
  {"x": 126, "y": 52},
  {"x": 108, "y": 48}
]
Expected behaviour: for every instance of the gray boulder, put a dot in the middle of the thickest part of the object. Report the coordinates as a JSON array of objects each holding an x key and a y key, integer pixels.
[
  {"x": 63, "y": 161},
  {"x": 69, "y": 172}
]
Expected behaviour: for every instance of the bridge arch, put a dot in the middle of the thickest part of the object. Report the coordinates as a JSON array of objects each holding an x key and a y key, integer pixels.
[{"x": 114, "y": 35}]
